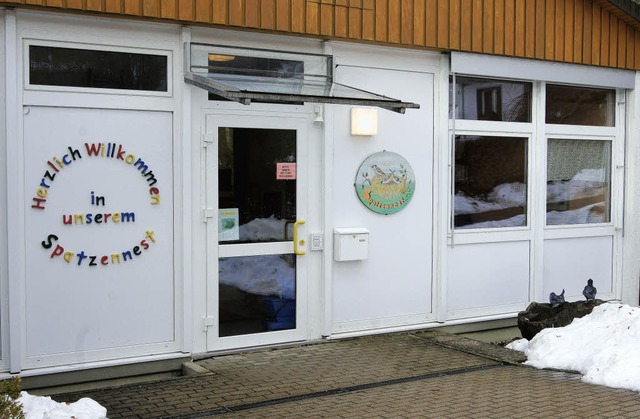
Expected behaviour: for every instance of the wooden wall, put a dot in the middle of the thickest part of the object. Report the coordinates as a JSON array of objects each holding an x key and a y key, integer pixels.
[{"x": 590, "y": 32}]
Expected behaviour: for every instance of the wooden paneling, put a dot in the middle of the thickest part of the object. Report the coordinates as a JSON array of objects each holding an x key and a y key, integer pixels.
[
  {"x": 151, "y": 8},
  {"x": 95, "y": 5},
  {"x": 520, "y": 28},
  {"x": 476, "y": 25},
  {"x": 578, "y": 24},
  {"x": 443, "y": 24},
  {"x": 393, "y": 17},
  {"x": 569, "y": 7},
  {"x": 498, "y": 22},
  {"x": 368, "y": 20},
  {"x": 592, "y": 32},
  {"x": 77, "y": 4},
  {"x": 419, "y": 27},
  {"x": 431, "y": 22},
  {"x": 220, "y": 8}
]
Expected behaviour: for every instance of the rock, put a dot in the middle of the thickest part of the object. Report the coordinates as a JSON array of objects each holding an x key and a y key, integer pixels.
[{"x": 539, "y": 316}]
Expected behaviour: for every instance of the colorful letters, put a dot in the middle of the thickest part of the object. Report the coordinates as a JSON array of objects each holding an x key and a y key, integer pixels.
[{"x": 81, "y": 258}]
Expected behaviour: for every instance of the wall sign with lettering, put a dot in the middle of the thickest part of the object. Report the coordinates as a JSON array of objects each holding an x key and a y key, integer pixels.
[
  {"x": 99, "y": 219},
  {"x": 385, "y": 182},
  {"x": 59, "y": 166}
]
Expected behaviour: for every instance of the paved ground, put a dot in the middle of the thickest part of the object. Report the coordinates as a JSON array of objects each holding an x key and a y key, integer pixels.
[{"x": 421, "y": 375}]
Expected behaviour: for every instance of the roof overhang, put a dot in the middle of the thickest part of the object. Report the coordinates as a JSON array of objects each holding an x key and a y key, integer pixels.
[{"x": 247, "y": 75}]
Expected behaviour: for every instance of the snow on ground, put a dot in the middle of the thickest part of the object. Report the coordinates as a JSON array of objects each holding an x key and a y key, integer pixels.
[
  {"x": 603, "y": 346},
  {"x": 41, "y": 407}
]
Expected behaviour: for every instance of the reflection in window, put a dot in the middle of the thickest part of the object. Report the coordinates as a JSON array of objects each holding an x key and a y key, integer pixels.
[
  {"x": 286, "y": 74},
  {"x": 490, "y": 182},
  {"x": 72, "y": 67},
  {"x": 578, "y": 181},
  {"x": 572, "y": 105},
  {"x": 249, "y": 181},
  {"x": 491, "y": 100},
  {"x": 257, "y": 294}
]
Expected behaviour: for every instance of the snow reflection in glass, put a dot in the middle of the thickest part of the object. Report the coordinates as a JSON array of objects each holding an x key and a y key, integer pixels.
[
  {"x": 257, "y": 294},
  {"x": 578, "y": 181},
  {"x": 490, "y": 182}
]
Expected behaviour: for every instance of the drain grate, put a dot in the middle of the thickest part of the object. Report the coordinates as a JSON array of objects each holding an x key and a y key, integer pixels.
[{"x": 332, "y": 392}]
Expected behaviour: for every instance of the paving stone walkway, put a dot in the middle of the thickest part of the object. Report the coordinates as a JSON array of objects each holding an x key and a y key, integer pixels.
[{"x": 406, "y": 375}]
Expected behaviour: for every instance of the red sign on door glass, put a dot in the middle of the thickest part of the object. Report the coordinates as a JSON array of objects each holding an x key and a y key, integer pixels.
[{"x": 285, "y": 171}]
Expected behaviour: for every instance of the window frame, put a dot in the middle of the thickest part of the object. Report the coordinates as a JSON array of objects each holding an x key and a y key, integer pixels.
[
  {"x": 614, "y": 134},
  {"x": 538, "y": 133},
  {"x": 29, "y": 87},
  {"x": 609, "y": 186},
  {"x": 477, "y": 127}
]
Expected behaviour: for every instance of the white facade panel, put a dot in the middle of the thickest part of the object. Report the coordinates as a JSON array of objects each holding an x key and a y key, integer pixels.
[
  {"x": 526, "y": 69},
  {"x": 568, "y": 263},
  {"x": 487, "y": 276},
  {"x": 3, "y": 202},
  {"x": 393, "y": 286},
  {"x": 99, "y": 230},
  {"x": 630, "y": 261}
]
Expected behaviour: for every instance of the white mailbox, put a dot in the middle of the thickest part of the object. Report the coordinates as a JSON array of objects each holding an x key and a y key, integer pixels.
[{"x": 350, "y": 244}]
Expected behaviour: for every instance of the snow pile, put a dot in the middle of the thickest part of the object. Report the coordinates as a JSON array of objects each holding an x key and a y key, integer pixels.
[
  {"x": 38, "y": 407},
  {"x": 603, "y": 346}
]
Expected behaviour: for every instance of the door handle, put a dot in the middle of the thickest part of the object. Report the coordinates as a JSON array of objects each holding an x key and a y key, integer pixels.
[{"x": 295, "y": 238}]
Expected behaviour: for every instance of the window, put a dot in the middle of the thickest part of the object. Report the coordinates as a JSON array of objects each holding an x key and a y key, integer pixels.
[
  {"x": 492, "y": 100},
  {"x": 289, "y": 74},
  {"x": 490, "y": 182},
  {"x": 71, "y": 67},
  {"x": 491, "y": 178},
  {"x": 578, "y": 181},
  {"x": 572, "y": 105}
]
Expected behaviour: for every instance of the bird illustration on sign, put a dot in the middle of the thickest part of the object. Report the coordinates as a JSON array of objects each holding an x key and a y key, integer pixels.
[{"x": 385, "y": 182}]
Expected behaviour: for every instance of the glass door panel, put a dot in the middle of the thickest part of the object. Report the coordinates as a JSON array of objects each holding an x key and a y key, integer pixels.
[{"x": 257, "y": 206}]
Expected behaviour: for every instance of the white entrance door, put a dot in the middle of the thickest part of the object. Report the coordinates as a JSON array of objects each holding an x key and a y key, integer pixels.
[{"x": 256, "y": 200}]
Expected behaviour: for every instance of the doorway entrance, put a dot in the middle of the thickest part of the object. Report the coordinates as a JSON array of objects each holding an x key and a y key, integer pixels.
[{"x": 256, "y": 181}]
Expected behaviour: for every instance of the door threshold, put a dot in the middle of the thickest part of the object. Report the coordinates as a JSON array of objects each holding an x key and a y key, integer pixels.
[{"x": 222, "y": 352}]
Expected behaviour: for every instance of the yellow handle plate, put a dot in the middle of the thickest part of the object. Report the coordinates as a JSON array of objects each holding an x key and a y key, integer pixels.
[{"x": 295, "y": 238}]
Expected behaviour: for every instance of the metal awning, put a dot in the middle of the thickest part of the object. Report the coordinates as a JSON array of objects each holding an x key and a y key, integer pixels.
[{"x": 247, "y": 75}]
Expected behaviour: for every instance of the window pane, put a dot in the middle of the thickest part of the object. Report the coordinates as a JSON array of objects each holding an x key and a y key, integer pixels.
[
  {"x": 491, "y": 100},
  {"x": 490, "y": 182},
  {"x": 572, "y": 105},
  {"x": 257, "y": 180},
  {"x": 51, "y": 66},
  {"x": 578, "y": 181},
  {"x": 257, "y": 294}
]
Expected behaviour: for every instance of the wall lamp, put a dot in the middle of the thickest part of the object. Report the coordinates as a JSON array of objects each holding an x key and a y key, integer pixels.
[{"x": 364, "y": 121}]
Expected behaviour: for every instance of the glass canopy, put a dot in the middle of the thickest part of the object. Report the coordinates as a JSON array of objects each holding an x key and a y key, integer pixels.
[{"x": 248, "y": 75}]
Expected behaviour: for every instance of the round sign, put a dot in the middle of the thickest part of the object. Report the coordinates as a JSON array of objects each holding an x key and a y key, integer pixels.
[{"x": 385, "y": 182}]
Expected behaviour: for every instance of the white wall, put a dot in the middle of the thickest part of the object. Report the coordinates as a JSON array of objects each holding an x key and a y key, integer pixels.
[
  {"x": 3, "y": 200},
  {"x": 393, "y": 287},
  {"x": 67, "y": 313},
  {"x": 631, "y": 239},
  {"x": 79, "y": 298}
]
